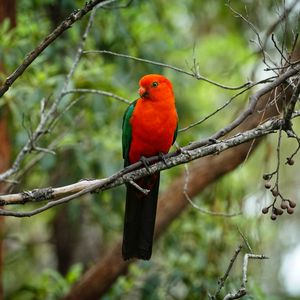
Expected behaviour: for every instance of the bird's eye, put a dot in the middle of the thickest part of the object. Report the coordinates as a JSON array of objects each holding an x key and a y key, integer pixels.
[{"x": 154, "y": 84}]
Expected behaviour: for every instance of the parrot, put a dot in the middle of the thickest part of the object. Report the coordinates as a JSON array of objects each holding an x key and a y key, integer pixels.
[{"x": 149, "y": 128}]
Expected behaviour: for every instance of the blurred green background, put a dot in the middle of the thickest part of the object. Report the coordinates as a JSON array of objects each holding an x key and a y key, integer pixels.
[{"x": 46, "y": 254}]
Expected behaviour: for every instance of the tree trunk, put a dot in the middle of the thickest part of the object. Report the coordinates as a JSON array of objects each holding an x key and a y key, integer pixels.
[{"x": 99, "y": 278}]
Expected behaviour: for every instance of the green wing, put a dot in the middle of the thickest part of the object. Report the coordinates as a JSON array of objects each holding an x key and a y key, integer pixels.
[
  {"x": 126, "y": 132},
  {"x": 175, "y": 134}
]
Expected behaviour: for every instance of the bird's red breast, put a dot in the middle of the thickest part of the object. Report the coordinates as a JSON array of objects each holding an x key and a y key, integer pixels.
[{"x": 154, "y": 120}]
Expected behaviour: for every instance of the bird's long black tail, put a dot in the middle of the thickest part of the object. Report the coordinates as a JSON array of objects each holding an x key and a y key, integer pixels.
[{"x": 140, "y": 213}]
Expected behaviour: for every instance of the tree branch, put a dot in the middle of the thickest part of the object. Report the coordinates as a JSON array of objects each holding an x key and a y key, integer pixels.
[
  {"x": 47, "y": 118},
  {"x": 127, "y": 175},
  {"x": 191, "y": 152},
  {"x": 66, "y": 24},
  {"x": 291, "y": 105},
  {"x": 225, "y": 104},
  {"x": 97, "y": 92},
  {"x": 242, "y": 290},
  {"x": 194, "y": 73},
  {"x": 250, "y": 109},
  {"x": 223, "y": 279},
  {"x": 187, "y": 196}
]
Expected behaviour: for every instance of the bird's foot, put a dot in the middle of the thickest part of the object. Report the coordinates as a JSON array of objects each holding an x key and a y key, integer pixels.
[
  {"x": 213, "y": 141},
  {"x": 181, "y": 150},
  {"x": 87, "y": 179},
  {"x": 163, "y": 158},
  {"x": 146, "y": 164}
]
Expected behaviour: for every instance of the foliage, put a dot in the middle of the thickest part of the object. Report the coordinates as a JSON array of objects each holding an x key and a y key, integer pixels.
[{"x": 196, "y": 249}]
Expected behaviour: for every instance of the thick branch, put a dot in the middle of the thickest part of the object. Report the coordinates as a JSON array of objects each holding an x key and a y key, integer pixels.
[
  {"x": 188, "y": 153},
  {"x": 84, "y": 187}
]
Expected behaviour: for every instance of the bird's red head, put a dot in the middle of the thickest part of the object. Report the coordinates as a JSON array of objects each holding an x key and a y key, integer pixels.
[{"x": 154, "y": 86}]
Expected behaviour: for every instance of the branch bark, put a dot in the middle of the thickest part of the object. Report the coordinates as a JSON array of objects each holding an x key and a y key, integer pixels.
[{"x": 86, "y": 186}]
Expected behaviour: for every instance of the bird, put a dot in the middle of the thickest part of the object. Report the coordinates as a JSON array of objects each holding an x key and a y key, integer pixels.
[{"x": 149, "y": 128}]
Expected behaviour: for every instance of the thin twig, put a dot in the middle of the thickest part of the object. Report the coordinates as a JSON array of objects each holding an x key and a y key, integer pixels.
[
  {"x": 118, "y": 6},
  {"x": 245, "y": 240},
  {"x": 222, "y": 280},
  {"x": 225, "y": 104},
  {"x": 275, "y": 190},
  {"x": 253, "y": 28},
  {"x": 98, "y": 92},
  {"x": 242, "y": 290},
  {"x": 250, "y": 109},
  {"x": 278, "y": 21},
  {"x": 202, "y": 210},
  {"x": 245, "y": 265},
  {"x": 291, "y": 105},
  {"x": 192, "y": 74},
  {"x": 144, "y": 191},
  {"x": 279, "y": 50},
  {"x": 66, "y": 24},
  {"x": 47, "y": 118}
]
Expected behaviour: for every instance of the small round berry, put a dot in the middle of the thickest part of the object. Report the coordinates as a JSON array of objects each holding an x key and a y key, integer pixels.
[
  {"x": 265, "y": 210},
  {"x": 275, "y": 192},
  {"x": 273, "y": 217},
  {"x": 284, "y": 205},
  {"x": 267, "y": 177},
  {"x": 290, "y": 161},
  {"x": 292, "y": 204},
  {"x": 290, "y": 210},
  {"x": 279, "y": 211},
  {"x": 267, "y": 185}
]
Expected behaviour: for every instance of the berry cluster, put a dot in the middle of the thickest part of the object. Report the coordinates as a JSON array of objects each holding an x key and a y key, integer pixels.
[{"x": 286, "y": 204}]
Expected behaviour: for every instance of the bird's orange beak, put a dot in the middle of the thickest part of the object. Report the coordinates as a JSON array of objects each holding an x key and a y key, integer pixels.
[{"x": 143, "y": 92}]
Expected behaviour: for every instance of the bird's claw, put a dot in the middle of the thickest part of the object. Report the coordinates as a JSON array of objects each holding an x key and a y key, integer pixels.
[
  {"x": 213, "y": 141},
  {"x": 87, "y": 179},
  {"x": 145, "y": 162},
  {"x": 163, "y": 158},
  {"x": 181, "y": 150}
]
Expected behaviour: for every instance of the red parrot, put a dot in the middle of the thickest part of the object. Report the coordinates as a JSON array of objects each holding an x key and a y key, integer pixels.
[{"x": 149, "y": 128}]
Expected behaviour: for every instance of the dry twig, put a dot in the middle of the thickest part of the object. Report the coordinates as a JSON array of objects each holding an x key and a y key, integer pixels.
[
  {"x": 241, "y": 292},
  {"x": 47, "y": 117},
  {"x": 66, "y": 24}
]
